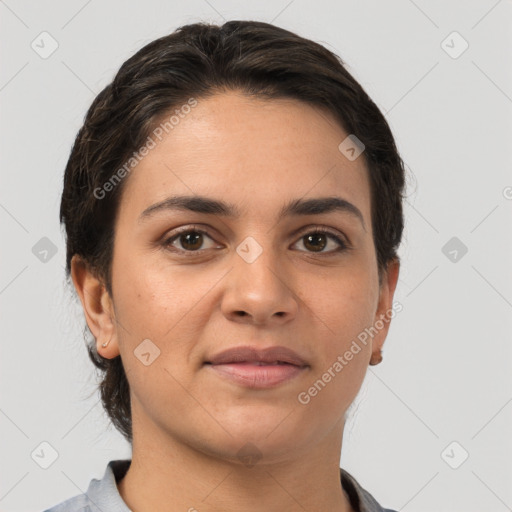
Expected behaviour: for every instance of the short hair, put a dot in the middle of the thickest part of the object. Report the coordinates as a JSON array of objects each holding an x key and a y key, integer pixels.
[{"x": 200, "y": 60}]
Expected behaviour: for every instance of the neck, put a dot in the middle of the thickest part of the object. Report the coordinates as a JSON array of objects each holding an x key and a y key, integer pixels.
[{"x": 166, "y": 474}]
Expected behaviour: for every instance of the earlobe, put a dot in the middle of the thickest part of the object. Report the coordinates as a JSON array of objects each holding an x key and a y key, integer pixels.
[
  {"x": 384, "y": 310},
  {"x": 97, "y": 306},
  {"x": 376, "y": 357}
]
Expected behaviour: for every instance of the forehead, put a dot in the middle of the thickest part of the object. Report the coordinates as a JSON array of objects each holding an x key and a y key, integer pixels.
[{"x": 252, "y": 152}]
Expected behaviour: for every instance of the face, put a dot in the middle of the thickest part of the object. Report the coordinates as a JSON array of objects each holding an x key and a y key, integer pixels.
[{"x": 187, "y": 284}]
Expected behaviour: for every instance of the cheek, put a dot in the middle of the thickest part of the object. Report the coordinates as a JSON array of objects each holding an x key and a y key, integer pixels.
[
  {"x": 342, "y": 312},
  {"x": 343, "y": 357},
  {"x": 151, "y": 299},
  {"x": 344, "y": 303},
  {"x": 151, "y": 304},
  {"x": 166, "y": 304}
]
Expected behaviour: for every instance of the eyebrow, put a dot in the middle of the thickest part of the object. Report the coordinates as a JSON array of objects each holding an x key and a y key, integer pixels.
[{"x": 201, "y": 204}]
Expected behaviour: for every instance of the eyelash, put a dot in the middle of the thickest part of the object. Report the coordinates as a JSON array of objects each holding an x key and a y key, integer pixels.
[{"x": 343, "y": 245}]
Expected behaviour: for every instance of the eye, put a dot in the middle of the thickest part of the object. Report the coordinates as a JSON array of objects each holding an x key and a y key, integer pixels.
[
  {"x": 190, "y": 239},
  {"x": 318, "y": 239}
]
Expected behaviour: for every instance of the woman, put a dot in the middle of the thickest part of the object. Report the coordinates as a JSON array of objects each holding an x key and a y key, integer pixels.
[{"x": 233, "y": 208}]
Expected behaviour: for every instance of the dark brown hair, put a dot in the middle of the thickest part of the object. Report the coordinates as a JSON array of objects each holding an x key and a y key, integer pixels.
[{"x": 199, "y": 60}]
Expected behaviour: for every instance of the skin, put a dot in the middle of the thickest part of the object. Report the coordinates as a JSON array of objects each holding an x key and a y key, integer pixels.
[{"x": 188, "y": 422}]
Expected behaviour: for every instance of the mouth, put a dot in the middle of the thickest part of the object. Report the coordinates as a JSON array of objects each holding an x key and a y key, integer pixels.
[{"x": 257, "y": 368}]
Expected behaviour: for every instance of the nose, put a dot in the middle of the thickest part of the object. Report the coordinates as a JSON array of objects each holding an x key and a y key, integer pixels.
[{"x": 259, "y": 292}]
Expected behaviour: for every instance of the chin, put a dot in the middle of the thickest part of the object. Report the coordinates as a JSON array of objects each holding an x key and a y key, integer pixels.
[
  {"x": 266, "y": 441},
  {"x": 246, "y": 452}
]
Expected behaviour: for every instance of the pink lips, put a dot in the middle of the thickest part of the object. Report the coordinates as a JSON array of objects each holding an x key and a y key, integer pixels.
[{"x": 258, "y": 368}]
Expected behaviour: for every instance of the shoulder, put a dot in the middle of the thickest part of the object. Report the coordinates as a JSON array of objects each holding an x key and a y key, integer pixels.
[
  {"x": 101, "y": 494},
  {"x": 79, "y": 503},
  {"x": 360, "y": 499}
]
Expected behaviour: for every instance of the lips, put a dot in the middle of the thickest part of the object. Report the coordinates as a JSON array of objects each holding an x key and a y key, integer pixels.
[
  {"x": 256, "y": 368},
  {"x": 257, "y": 356}
]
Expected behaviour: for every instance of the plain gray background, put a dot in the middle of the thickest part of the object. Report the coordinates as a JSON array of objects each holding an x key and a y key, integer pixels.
[{"x": 446, "y": 374}]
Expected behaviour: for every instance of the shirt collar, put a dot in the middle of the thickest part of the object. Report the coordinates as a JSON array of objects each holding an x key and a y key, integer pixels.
[{"x": 360, "y": 499}]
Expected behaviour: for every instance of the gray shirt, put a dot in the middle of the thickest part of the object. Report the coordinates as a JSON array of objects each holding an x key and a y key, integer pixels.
[{"x": 103, "y": 495}]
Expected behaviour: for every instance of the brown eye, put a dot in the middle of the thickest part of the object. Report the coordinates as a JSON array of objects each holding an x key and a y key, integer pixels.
[
  {"x": 315, "y": 242},
  {"x": 191, "y": 240},
  {"x": 318, "y": 240}
]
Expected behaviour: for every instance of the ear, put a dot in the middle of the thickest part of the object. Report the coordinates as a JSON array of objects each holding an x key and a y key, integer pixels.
[
  {"x": 98, "y": 307},
  {"x": 385, "y": 309}
]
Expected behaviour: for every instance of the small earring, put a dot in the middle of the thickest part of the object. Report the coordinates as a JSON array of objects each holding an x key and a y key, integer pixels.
[
  {"x": 377, "y": 360},
  {"x": 105, "y": 344}
]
